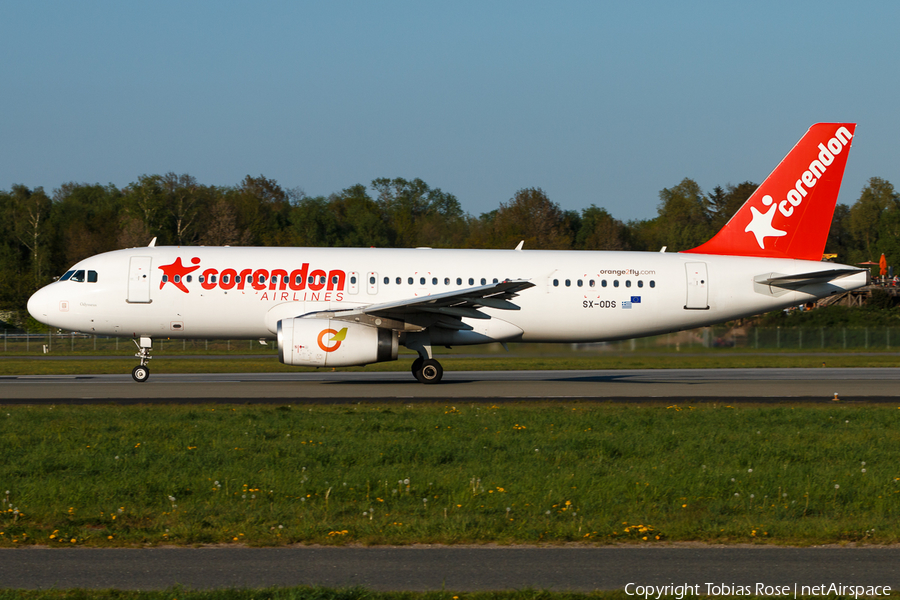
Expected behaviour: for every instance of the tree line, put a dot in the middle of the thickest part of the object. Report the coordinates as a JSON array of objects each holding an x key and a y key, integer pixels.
[{"x": 42, "y": 235}]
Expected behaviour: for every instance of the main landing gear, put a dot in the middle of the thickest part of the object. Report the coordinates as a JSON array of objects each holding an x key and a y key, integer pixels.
[
  {"x": 141, "y": 373},
  {"x": 425, "y": 368}
]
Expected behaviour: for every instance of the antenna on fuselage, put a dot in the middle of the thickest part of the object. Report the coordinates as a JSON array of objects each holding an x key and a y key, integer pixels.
[
  {"x": 519, "y": 247},
  {"x": 152, "y": 243}
]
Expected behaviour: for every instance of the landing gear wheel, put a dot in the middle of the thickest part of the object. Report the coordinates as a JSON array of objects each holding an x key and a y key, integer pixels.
[
  {"x": 431, "y": 371},
  {"x": 417, "y": 366},
  {"x": 140, "y": 373}
]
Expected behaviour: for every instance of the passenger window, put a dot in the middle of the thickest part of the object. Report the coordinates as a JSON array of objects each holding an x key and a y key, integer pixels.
[
  {"x": 652, "y": 283},
  {"x": 177, "y": 279},
  {"x": 387, "y": 280},
  {"x": 615, "y": 283},
  {"x": 556, "y": 283},
  {"x": 78, "y": 276},
  {"x": 568, "y": 283},
  {"x": 446, "y": 281},
  {"x": 421, "y": 281},
  {"x": 188, "y": 278},
  {"x": 495, "y": 280},
  {"x": 591, "y": 283},
  {"x": 459, "y": 281},
  {"x": 225, "y": 279},
  {"x": 92, "y": 276},
  {"x": 399, "y": 281},
  {"x": 434, "y": 281},
  {"x": 603, "y": 283},
  {"x": 640, "y": 283},
  {"x": 627, "y": 283},
  {"x": 352, "y": 279},
  {"x": 201, "y": 279},
  {"x": 372, "y": 280},
  {"x": 580, "y": 283},
  {"x": 165, "y": 278},
  {"x": 262, "y": 278},
  {"x": 409, "y": 281},
  {"x": 471, "y": 281},
  {"x": 483, "y": 281},
  {"x": 212, "y": 278},
  {"x": 67, "y": 275}
]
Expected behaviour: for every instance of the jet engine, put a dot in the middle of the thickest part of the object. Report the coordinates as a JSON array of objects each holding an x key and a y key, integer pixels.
[{"x": 333, "y": 343}]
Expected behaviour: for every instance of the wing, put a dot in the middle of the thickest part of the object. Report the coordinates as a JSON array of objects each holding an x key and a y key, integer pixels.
[{"x": 444, "y": 310}]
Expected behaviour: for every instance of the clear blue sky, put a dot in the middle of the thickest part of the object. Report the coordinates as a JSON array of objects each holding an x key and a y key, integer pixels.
[{"x": 600, "y": 103}]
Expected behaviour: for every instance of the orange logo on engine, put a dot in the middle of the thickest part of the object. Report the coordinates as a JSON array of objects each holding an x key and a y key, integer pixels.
[{"x": 337, "y": 338}]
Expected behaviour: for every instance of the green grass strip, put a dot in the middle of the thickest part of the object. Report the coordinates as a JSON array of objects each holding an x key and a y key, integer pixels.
[{"x": 377, "y": 474}]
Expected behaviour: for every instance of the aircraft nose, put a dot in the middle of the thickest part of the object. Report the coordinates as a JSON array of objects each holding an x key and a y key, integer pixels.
[{"x": 39, "y": 305}]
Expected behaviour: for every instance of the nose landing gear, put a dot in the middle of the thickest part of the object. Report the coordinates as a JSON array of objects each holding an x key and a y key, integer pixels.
[{"x": 141, "y": 373}]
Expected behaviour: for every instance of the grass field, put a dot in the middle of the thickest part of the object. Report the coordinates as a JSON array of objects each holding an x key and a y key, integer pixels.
[{"x": 373, "y": 474}]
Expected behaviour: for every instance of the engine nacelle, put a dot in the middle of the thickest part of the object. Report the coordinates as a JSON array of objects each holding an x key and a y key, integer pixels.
[{"x": 332, "y": 343}]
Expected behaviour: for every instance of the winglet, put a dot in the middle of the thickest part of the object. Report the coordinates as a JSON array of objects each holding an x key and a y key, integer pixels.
[{"x": 789, "y": 215}]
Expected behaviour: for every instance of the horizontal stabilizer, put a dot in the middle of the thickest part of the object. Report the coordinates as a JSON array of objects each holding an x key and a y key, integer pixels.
[{"x": 802, "y": 279}]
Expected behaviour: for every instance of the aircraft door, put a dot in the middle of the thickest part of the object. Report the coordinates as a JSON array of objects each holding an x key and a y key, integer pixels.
[
  {"x": 553, "y": 280},
  {"x": 697, "y": 286},
  {"x": 139, "y": 280}
]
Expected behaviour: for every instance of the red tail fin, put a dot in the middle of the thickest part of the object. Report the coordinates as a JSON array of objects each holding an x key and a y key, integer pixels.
[{"x": 789, "y": 215}]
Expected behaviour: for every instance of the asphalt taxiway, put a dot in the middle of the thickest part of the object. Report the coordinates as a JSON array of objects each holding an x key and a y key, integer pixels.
[
  {"x": 869, "y": 385},
  {"x": 421, "y": 568}
]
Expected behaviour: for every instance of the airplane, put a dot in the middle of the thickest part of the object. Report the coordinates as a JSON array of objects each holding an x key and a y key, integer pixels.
[{"x": 336, "y": 307}]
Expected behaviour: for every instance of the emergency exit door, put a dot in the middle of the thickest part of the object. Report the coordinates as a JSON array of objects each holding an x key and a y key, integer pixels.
[
  {"x": 697, "y": 286},
  {"x": 139, "y": 280}
]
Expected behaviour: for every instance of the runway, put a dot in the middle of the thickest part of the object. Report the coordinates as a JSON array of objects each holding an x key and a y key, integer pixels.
[
  {"x": 421, "y": 568},
  {"x": 463, "y": 568},
  {"x": 870, "y": 385}
]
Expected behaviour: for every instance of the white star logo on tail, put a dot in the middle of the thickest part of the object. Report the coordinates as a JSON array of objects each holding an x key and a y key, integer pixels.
[{"x": 761, "y": 223}]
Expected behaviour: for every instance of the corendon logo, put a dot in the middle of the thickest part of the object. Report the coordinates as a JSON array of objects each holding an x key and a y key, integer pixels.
[
  {"x": 303, "y": 278},
  {"x": 761, "y": 222},
  {"x": 276, "y": 279},
  {"x": 175, "y": 273},
  {"x": 336, "y": 336}
]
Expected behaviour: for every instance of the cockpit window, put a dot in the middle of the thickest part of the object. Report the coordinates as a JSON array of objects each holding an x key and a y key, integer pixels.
[
  {"x": 67, "y": 275},
  {"x": 92, "y": 276},
  {"x": 78, "y": 276}
]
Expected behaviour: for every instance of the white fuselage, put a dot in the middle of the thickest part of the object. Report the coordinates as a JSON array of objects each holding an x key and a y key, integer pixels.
[{"x": 579, "y": 296}]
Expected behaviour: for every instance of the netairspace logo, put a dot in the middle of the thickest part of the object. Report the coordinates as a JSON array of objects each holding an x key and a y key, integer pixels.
[{"x": 759, "y": 589}]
